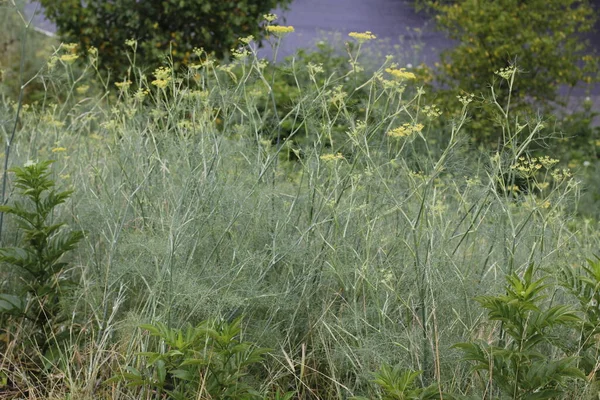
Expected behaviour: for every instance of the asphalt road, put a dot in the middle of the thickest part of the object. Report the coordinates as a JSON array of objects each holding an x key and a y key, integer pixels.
[{"x": 400, "y": 30}]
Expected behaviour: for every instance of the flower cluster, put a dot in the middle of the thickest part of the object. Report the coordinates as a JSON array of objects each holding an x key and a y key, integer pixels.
[
  {"x": 69, "y": 58},
  {"x": 163, "y": 77},
  {"x": 527, "y": 167},
  {"x": 124, "y": 85},
  {"x": 247, "y": 40},
  {"x": 400, "y": 73},
  {"x": 51, "y": 121},
  {"x": 362, "y": 37},
  {"x": 131, "y": 43},
  {"x": 466, "y": 99},
  {"x": 506, "y": 73},
  {"x": 93, "y": 54},
  {"x": 140, "y": 94},
  {"x": 270, "y": 17},
  {"x": 240, "y": 53},
  {"x": 332, "y": 157},
  {"x": 82, "y": 89},
  {"x": 314, "y": 69},
  {"x": 405, "y": 130},
  {"x": 279, "y": 30},
  {"x": 547, "y": 162},
  {"x": 432, "y": 111},
  {"x": 337, "y": 95},
  {"x": 70, "y": 47},
  {"x": 560, "y": 175}
]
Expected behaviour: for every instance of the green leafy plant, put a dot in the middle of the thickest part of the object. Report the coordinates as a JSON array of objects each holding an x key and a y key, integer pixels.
[
  {"x": 158, "y": 27},
  {"x": 518, "y": 363},
  {"x": 542, "y": 38},
  {"x": 206, "y": 360},
  {"x": 584, "y": 284},
  {"x": 40, "y": 256},
  {"x": 397, "y": 383}
]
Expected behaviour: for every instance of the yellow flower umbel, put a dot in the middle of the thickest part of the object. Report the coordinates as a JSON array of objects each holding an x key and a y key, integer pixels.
[
  {"x": 279, "y": 31},
  {"x": 163, "y": 77},
  {"x": 362, "y": 37},
  {"x": 83, "y": 89},
  {"x": 400, "y": 73},
  {"x": 270, "y": 17},
  {"x": 123, "y": 86},
  {"x": 69, "y": 53},
  {"x": 69, "y": 47},
  {"x": 332, "y": 157},
  {"x": 69, "y": 58},
  {"x": 405, "y": 130}
]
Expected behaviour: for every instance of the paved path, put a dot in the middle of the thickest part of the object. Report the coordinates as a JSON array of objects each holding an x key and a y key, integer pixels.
[{"x": 393, "y": 21}]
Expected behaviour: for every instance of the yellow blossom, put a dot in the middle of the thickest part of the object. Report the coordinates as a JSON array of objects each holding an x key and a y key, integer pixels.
[
  {"x": 405, "y": 130},
  {"x": 432, "y": 111},
  {"x": 124, "y": 85},
  {"x": 162, "y": 73},
  {"x": 160, "y": 83},
  {"x": 247, "y": 39},
  {"x": 401, "y": 73},
  {"x": 69, "y": 46},
  {"x": 506, "y": 73},
  {"x": 140, "y": 94},
  {"x": 83, "y": 89},
  {"x": 332, "y": 157},
  {"x": 69, "y": 58},
  {"x": 542, "y": 185},
  {"x": 163, "y": 77},
  {"x": 131, "y": 43},
  {"x": 279, "y": 30},
  {"x": 59, "y": 149},
  {"x": 270, "y": 17},
  {"x": 362, "y": 37}
]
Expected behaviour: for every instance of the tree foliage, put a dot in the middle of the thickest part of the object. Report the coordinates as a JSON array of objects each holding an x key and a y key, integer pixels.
[
  {"x": 160, "y": 27},
  {"x": 544, "y": 39}
]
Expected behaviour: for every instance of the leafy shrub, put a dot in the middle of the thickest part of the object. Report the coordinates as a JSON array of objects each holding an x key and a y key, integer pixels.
[
  {"x": 399, "y": 384},
  {"x": 43, "y": 245},
  {"x": 32, "y": 313},
  {"x": 584, "y": 284},
  {"x": 518, "y": 363},
  {"x": 159, "y": 27},
  {"x": 195, "y": 362},
  {"x": 543, "y": 39}
]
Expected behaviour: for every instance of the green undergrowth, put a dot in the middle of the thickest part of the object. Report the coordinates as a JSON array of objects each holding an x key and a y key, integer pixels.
[{"x": 351, "y": 228}]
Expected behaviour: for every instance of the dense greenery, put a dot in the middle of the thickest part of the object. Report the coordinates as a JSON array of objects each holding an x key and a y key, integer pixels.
[
  {"x": 315, "y": 228},
  {"x": 171, "y": 27},
  {"x": 544, "y": 39}
]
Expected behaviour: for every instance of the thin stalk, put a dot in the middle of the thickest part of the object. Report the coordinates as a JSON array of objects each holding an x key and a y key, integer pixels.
[{"x": 14, "y": 130}]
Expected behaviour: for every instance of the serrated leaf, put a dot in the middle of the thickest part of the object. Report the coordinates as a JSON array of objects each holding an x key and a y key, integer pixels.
[{"x": 182, "y": 374}]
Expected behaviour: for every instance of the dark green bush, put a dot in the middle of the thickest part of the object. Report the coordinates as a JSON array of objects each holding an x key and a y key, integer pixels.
[
  {"x": 39, "y": 258},
  {"x": 160, "y": 27},
  {"x": 543, "y": 39}
]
